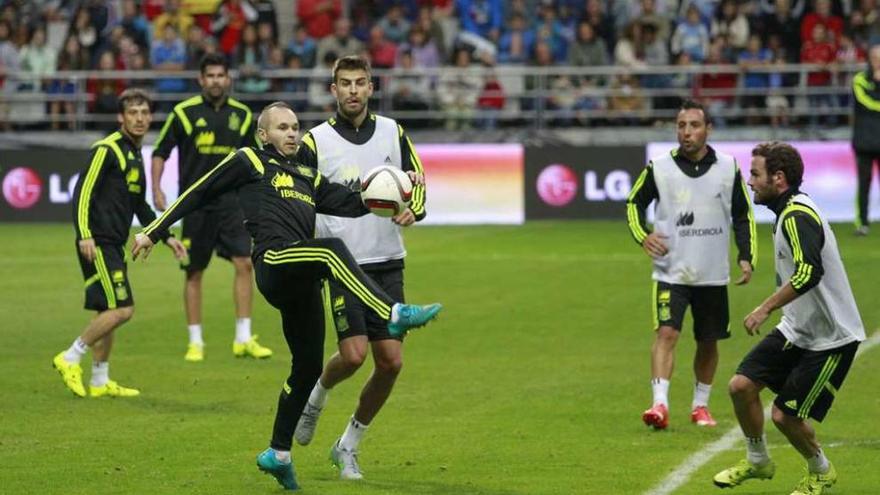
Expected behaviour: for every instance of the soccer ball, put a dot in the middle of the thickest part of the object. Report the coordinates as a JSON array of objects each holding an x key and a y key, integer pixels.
[{"x": 386, "y": 191}]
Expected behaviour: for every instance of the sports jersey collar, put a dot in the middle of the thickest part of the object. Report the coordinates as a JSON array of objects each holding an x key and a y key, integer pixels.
[
  {"x": 707, "y": 160},
  {"x": 207, "y": 102},
  {"x": 274, "y": 153},
  {"x": 781, "y": 201},
  {"x": 128, "y": 141},
  {"x": 342, "y": 123}
]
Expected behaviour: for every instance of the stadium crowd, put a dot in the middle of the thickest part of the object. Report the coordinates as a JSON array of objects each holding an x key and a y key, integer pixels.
[{"x": 38, "y": 38}]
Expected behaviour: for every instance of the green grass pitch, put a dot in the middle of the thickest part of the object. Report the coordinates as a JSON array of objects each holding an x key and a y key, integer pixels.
[{"x": 532, "y": 382}]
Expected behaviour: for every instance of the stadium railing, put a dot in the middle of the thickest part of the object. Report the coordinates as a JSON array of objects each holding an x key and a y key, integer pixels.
[{"x": 534, "y": 97}]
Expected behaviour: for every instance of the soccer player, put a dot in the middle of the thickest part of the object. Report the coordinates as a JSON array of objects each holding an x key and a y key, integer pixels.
[
  {"x": 343, "y": 149},
  {"x": 206, "y": 128},
  {"x": 866, "y": 133},
  {"x": 280, "y": 199},
  {"x": 805, "y": 359},
  {"x": 108, "y": 193},
  {"x": 699, "y": 193}
]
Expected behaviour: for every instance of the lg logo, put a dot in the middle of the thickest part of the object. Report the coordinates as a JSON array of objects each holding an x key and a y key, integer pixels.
[
  {"x": 22, "y": 187},
  {"x": 557, "y": 185}
]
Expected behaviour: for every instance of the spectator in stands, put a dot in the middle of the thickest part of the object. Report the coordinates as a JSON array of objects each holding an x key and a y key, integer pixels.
[
  {"x": 822, "y": 15},
  {"x": 382, "y": 52},
  {"x": 341, "y": 42},
  {"x": 730, "y": 22},
  {"x": 250, "y": 62},
  {"x": 657, "y": 54},
  {"x": 481, "y": 17},
  {"x": 423, "y": 50},
  {"x": 86, "y": 34},
  {"x": 777, "y": 102},
  {"x": 267, "y": 15},
  {"x": 266, "y": 40},
  {"x": 602, "y": 24},
  {"x": 819, "y": 50},
  {"x": 649, "y": 15},
  {"x": 104, "y": 92},
  {"x": 458, "y": 91},
  {"x": 705, "y": 9},
  {"x": 630, "y": 49},
  {"x": 427, "y": 22},
  {"x": 169, "y": 54},
  {"x": 549, "y": 30},
  {"x": 229, "y": 23},
  {"x": 302, "y": 47},
  {"x": 588, "y": 50},
  {"x": 864, "y": 23},
  {"x": 320, "y": 98},
  {"x": 195, "y": 50},
  {"x": 38, "y": 60},
  {"x": 72, "y": 57},
  {"x": 513, "y": 8},
  {"x": 626, "y": 98},
  {"x": 394, "y": 24},
  {"x": 9, "y": 68},
  {"x": 755, "y": 83},
  {"x": 319, "y": 17},
  {"x": 717, "y": 89},
  {"x": 135, "y": 25},
  {"x": 298, "y": 86},
  {"x": 515, "y": 45},
  {"x": 410, "y": 90},
  {"x": 174, "y": 15},
  {"x": 783, "y": 22},
  {"x": 490, "y": 103},
  {"x": 691, "y": 36},
  {"x": 795, "y": 8}
]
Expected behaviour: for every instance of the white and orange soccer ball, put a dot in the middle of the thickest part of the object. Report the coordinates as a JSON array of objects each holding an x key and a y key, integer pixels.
[{"x": 386, "y": 191}]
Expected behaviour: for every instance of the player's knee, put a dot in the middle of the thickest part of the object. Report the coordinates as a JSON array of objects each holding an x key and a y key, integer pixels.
[
  {"x": 194, "y": 276},
  {"x": 667, "y": 335},
  {"x": 124, "y": 314},
  {"x": 243, "y": 265},
  {"x": 741, "y": 386},
  {"x": 389, "y": 365},
  {"x": 353, "y": 359}
]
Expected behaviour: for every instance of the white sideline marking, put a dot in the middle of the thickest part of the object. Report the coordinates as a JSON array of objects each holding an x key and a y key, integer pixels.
[{"x": 683, "y": 472}]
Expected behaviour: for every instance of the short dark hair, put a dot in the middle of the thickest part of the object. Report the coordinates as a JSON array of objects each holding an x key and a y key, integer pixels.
[
  {"x": 689, "y": 104},
  {"x": 133, "y": 96},
  {"x": 213, "y": 59},
  {"x": 351, "y": 62},
  {"x": 782, "y": 157}
]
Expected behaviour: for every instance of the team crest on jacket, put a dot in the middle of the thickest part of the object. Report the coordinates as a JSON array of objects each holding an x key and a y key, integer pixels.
[
  {"x": 234, "y": 122},
  {"x": 282, "y": 181}
]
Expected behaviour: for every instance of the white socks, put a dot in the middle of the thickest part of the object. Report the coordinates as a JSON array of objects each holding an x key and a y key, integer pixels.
[
  {"x": 756, "y": 450},
  {"x": 100, "y": 373},
  {"x": 283, "y": 456},
  {"x": 76, "y": 351},
  {"x": 818, "y": 463},
  {"x": 353, "y": 433},
  {"x": 195, "y": 334},
  {"x": 660, "y": 387},
  {"x": 242, "y": 330},
  {"x": 701, "y": 395},
  {"x": 318, "y": 397}
]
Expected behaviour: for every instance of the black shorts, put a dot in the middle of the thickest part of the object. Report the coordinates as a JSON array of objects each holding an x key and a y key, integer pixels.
[
  {"x": 106, "y": 279},
  {"x": 805, "y": 382},
  {"x": 221, "y": 229},
  {"x": 708, "y": 303},
  {"x": 358, "y": 319}
]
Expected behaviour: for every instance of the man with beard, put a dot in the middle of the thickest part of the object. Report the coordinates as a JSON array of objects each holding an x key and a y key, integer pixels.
[
  {"x": 109, "y": 192},
  {"x": 206, "y": 128},
  {"x": 699, "y": 194},
  {"x": 805, "y": 359},
  {"x": 344, "y": 149},
  {"x": 280, "y": 198}
]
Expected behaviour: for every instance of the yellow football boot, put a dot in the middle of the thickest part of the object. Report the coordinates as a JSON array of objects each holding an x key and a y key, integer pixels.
[
  {"x": 113, "y": 389},
  {"x": 195, "y": 353},
  {"x": 251, "y": 348},
  {"x": 71, "y": 374}
]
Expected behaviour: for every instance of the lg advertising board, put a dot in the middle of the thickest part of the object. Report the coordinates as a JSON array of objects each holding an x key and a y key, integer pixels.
[{"x": 469, "y": 183}]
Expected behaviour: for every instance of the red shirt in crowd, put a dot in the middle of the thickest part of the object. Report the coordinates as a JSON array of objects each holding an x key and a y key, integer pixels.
[
  {"x": 822, "y": 52},
  {"x": 318, "y": 16},
  {"x": 833, "y": 26},
  {"x": 715, "y": 81},
  {"x": 492, "y": 95}
]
